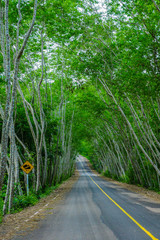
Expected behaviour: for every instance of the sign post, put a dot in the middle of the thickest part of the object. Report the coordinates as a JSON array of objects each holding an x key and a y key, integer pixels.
[
  {"x": 27, "y": 167},
  {"x": 27, "y": 186}
]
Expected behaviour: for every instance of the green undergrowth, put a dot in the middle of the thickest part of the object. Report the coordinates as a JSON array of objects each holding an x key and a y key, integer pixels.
[
  {"x": 1, "y": 207},
  {"x": 21, "y": 202}
]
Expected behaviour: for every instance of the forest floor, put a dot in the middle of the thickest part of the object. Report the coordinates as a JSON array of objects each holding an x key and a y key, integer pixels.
[{"x": 28, "y": 219}]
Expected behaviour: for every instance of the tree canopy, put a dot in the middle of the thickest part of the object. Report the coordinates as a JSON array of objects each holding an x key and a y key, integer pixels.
[{"x": 78, "y": 77}]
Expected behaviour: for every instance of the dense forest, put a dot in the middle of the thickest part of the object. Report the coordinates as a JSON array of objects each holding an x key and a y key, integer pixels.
[{"x": 78, "y": 77}]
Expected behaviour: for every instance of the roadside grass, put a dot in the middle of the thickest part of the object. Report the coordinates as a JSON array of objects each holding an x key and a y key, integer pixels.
[
  {"x": 1, "y": 208},
  {"x": 21, "y": 202}
]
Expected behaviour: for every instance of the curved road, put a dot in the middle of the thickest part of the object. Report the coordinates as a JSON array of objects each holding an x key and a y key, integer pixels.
[{"x": 99, "y": 210}]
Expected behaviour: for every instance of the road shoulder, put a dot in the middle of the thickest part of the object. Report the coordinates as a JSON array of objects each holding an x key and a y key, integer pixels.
[
  {"x": 28, "y": 219},
  {"x": 152, "y": 195}
]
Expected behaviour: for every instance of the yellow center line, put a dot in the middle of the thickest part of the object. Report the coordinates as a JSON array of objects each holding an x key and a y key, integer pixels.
[{"x": 139, "y": 225}]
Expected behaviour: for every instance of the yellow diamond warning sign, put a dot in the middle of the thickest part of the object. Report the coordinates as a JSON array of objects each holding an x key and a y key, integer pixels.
[{"x": 27, "y": 167}]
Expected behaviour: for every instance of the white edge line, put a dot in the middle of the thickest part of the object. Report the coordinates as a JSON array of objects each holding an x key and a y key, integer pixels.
[{"x": 38, "y": 211}]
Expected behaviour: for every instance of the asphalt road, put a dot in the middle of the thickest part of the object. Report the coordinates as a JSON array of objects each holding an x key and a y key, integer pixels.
[{"x": 99, "y": 210}]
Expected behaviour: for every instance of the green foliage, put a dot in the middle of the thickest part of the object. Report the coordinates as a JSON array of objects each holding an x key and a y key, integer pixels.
[
  {"x": 1, "y": 208},
  {"x": 130, "y": 176},
  {"x": 107, "y": 174},
  {"x": 125, "y": 178},
  {"x": 85, "y": 49},
  {"x": 2, "y": 197},
  {"x": 46, "y": 191},
  {"x": 85, "y": 149},
  {"x": 23, "y": 201}
]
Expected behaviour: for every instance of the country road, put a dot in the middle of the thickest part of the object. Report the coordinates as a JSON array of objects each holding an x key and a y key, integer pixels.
[{"x": 96, "y": 209}]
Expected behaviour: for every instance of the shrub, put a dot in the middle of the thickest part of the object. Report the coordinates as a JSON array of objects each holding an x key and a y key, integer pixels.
[
  {"x": 1, "y": 208},
  {"x": 23, "y": 201},
  {"x": 107, "y": 174}
]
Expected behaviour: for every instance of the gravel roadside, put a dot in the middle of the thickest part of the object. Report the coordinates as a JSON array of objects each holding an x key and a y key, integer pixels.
[
  {"x": 29, "y": 218},
  {"x": 136, "y": 189}
]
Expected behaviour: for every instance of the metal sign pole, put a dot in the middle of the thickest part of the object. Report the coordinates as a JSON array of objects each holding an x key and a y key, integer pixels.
[
  {"x": 27, "y": 167},
  {"x": 27, "y": 185}
]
